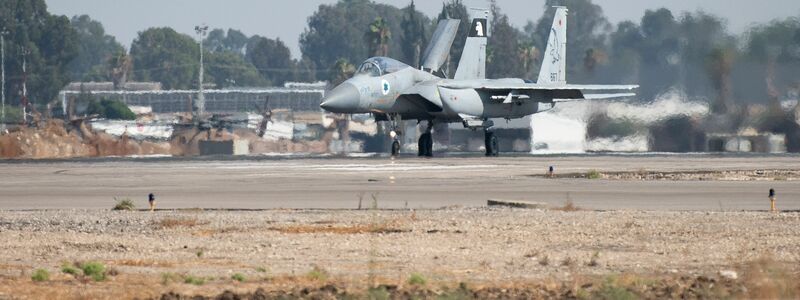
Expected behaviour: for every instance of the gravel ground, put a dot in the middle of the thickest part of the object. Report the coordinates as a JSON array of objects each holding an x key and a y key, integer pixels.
[{"x": 445, "y": 245}]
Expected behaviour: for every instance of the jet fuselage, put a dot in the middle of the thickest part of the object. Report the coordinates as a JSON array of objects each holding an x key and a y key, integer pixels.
[{"x": 415, "y": 94}]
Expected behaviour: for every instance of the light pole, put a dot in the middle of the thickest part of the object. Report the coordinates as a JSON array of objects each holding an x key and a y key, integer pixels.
[
  {"x": 3, "y": 34},
  {"x": 201, "y": 100},
  {"x": 24, "y": 102}
]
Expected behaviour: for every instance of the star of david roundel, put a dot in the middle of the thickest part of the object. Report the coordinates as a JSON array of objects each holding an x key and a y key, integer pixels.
[{"x": 385, "y": 87}]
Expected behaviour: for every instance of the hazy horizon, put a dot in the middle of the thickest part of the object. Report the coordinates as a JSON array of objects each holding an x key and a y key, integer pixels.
[{"x": 125, "y": 19}]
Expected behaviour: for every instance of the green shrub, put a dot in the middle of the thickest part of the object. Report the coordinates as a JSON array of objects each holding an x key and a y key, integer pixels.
[
  {"x": 462, "y": 292},
  {"x": 189, "y": 279},
  {"x": 124, "y": 204},
  {"x": 70, "y": 269},
  {"x": 602, "y": 126},
  {"x": 169, "y": 277},
  {"x": 317, "y": 274},
  {"x": 594, "y": 261},
  {"x": 593, "y": 174},
  {"x": 40, "y": 275},
  {"x": 378, "y": 293},
  {"x": 612, "y": 290},
  {"x": 95, "y": 270},
  {"x": 110, "y": 109},
  {"x": 416, "y": 279},
  {"x": 13, "y": 114},
  {"x": 238, "y": 277}
]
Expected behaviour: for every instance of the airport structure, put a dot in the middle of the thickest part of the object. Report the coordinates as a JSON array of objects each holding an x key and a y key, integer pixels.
[
  {"x": 148, "y": 94},
  {"x": 297, "y": 116}
]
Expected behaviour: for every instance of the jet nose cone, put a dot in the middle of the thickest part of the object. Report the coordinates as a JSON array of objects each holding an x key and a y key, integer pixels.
[{"x": 343, "y": 99}]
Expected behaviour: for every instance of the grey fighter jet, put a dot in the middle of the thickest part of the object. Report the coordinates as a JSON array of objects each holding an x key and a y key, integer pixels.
[{"x": 393, "y": 91}]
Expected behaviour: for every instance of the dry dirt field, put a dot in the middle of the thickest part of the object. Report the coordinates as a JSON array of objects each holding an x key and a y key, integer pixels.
[{"x": 450, "y": 253}]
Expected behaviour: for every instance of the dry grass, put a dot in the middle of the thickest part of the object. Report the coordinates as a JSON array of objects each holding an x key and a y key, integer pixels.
[
  {"x": 224, "y": 230},
  {"x": 124, "y": 204},
  {"x": 141, "y": 263},
  {"x": 766, "y": 278},
  {"x": 763, "y": 279},
  {"x": 317, "y": 274},
  {"x": 568, "y": 207},
  {"x": 594, "y": 261},
  {"x": 532, "y": 253},
  {"x": 594, "y": 174},
  {"x": 347, "y": 229},
  {"x": 544, "y": 260},
  {"x": 568, "y": 262},
  {"x": 174, "y": 222}
]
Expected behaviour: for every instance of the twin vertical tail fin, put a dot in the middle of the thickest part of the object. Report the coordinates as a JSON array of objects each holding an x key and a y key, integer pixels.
[
  {"x": 438, "y": 49},
  {"x": 554, "y": 63},
  {"x": 473, "y": 58}
]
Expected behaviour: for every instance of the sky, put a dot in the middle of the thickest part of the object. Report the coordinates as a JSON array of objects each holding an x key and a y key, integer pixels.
[{"x": 287, "y": 19}]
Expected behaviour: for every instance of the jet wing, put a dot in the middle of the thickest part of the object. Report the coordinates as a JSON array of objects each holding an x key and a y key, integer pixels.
[
  {"x": 438, "y": 49},
  {"x": 507, "y": 91},
  {"x": 506, "y": 85}
]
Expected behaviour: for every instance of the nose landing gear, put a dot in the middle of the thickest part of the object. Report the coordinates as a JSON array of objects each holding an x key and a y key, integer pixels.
[{"x": 395, "y": 121}]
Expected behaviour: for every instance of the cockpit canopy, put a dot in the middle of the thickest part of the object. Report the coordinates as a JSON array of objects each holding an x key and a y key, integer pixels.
[{"x": 379, "y": 66}]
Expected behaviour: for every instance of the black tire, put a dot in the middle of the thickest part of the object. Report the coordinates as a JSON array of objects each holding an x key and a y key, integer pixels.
[
  {"x": 429, "y": 146},
  {"x": 421, "y": 145},
  {"x": 395, "y": 148},
  {"x": 491, "y": 144},
  {"x": 425, "y": 145}
]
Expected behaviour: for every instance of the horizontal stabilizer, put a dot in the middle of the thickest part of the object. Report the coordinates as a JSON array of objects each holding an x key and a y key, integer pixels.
[
  {"x": 607, "y": 96},
  {"x": 601, "y": 87}
]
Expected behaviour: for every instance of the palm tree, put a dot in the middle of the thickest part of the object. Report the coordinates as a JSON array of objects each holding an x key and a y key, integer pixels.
[
  {"x": 341, "y": 71},
  {"x": 720, "y": 63},
  {"x": 378, "y": 37},
  {"x": 528, "y": 56},
  {"x": 413, "y": 34},
  {"x": 120, "y": 65}
]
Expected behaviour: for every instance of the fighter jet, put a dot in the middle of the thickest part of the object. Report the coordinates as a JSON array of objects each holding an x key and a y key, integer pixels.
[{"x": 393, "y": 91}]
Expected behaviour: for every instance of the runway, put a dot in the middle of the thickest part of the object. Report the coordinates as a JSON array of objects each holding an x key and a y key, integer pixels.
[{"x": 401, "y": 183}]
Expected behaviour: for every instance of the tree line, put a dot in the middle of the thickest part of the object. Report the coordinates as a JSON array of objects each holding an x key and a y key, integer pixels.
[{"x": 691, "y": 51}]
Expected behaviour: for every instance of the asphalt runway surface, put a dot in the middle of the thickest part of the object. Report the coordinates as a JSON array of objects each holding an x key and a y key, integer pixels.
[{"x": 407, "y": 182}]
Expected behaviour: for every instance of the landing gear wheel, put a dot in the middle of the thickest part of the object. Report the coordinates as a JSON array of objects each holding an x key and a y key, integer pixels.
[
  {"x": 425, "y": 145},
  {"x": 491, "y": 144},
  {"x": 395, "y": 148},
  {"x": 429, "y": 146}
]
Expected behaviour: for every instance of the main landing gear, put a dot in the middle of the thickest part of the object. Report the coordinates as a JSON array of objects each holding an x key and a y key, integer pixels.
[
  {"x": 395, "y": 147},
  {"x": 491, "y": 143},
  {"x": 490, "y": 140},
  {"x": 426, "y": 142}
]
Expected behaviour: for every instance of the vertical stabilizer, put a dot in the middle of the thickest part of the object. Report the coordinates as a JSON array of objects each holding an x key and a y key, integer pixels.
[
  {"x": 439, "y": 48},
  {"x": 554, "y": 62},
  {"x": 473, "y": 58}
]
